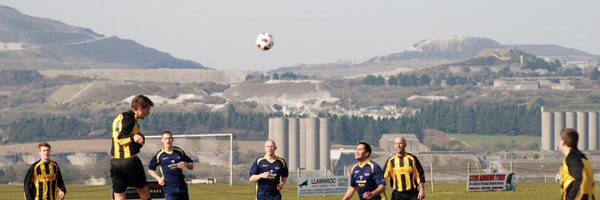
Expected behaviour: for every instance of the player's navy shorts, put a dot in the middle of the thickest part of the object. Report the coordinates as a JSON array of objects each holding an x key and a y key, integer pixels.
[
  {"x": 176, "y": 191},
  {"x": 127, "y": 172}
]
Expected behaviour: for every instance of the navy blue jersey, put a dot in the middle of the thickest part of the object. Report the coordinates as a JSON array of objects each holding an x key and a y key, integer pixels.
[
  {"x": 267, "y": 187},
  {"x": 168, "y": 164},
  {"x": 367, "y": 178}
]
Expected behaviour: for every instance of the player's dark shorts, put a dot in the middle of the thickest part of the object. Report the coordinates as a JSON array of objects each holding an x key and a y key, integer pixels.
[
  {"x": 176, "y": 191},
  {"x": 405, "y": 195},
  {"x": 269, "y": 197},
  {"x": 127, "y": 172}
]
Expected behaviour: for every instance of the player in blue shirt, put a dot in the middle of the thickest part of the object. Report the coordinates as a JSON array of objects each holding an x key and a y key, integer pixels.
[
  {"x": 171, "y": 160},
  {"x": 270, "y": 173},
  {"x": 367, "y": 177}
]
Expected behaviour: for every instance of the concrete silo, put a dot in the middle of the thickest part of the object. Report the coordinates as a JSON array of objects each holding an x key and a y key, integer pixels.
[
  {"x": 559, "y": 124},
  {"x": 324, "y": 144},
  {"x": 570, "y": 120},
  {"x": 582, "y": 129},
  {"x": 312, "y": 144},
  {"x": 293, "y": 143},
  {"x": 280, "y": 136},
  {"x": 547, "y": 130},
  {"x": 302, "y": 148},
  {"x": 271, "y": 129},
  {"x": 593, "y": 131}
]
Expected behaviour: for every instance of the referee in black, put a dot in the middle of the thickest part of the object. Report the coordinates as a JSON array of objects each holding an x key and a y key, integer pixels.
[
  {"x": 405, "y": 174},
  {"x": 126, "y": 168}
]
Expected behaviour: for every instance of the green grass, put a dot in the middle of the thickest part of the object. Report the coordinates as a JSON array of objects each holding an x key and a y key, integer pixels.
[
  {"x": 241, "y": 192},
  {"x": 474, "y": 139}
]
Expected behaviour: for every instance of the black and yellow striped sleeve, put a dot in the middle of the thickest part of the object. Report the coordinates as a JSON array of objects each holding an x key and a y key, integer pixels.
[
  {"x": 28, "y": 185},
  {"x": 419, "y": 169}
]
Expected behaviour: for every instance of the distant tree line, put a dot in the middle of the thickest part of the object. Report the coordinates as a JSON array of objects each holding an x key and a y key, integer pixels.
[
  {"x": 413, "y": 80},
  {"x": 484, "y": 120},
  {"x": 49, "y": 127},
  {"x": 344, "y": 129}
]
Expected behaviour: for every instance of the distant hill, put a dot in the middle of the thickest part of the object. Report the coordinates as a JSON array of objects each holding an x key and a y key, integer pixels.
[
  {"x": 443, "y": 50},
  {"x": 555, "y": 51},
  {"x": 28, "y": 42}
]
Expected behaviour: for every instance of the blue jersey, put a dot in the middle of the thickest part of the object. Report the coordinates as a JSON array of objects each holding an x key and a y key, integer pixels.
[
  {"x": 168, "y": 164},
  {"x": 267, "y": 187},
  {"x": 367, "y": 178}
]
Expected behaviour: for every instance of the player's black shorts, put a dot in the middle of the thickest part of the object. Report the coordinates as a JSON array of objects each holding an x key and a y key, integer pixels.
[
  {"x": 408, "y": 195},
  {"x": 127, "y": 172}
]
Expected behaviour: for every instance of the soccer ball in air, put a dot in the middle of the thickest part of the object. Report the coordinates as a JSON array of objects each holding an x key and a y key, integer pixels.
[{"x": 264, "y": 41}]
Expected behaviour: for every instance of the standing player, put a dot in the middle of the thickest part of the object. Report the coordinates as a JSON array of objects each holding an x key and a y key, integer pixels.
[
  {"x": 576, "y": 172},
  {"x": 126, "y": 168},
  {"x": 405, "y": 173},
  {"x": 267, "y": 172},
  {"x": 367, "y": 176},
  {"x": 171, "y": 160},
  {"x": 43, "y": 179}
]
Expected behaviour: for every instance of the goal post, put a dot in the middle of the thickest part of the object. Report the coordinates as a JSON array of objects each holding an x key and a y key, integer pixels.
[{"x": 151, "y": 141}]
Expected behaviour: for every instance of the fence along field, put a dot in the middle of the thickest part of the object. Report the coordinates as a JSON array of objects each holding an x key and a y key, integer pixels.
[{"x": 525, "y": 190}]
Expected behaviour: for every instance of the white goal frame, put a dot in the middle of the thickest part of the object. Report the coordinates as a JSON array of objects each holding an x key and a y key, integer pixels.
[{"x": 230, "y": 135}]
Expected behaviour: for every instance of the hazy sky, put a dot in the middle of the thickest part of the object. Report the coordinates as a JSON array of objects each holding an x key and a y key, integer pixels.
[{"x": 221, "y": 33}]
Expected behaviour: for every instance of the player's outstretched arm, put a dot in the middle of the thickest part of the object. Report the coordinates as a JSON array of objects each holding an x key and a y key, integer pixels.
[
  {"x": 349, "y": 193},
  {"x": 160, "y": 180}
]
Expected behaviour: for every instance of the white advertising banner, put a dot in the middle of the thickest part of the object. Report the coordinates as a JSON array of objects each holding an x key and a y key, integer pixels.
[{"x": 323, "y": 185}]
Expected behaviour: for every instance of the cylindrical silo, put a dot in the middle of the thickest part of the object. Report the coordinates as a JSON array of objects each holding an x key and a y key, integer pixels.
[
  {"x": 280, "y": 136},
  {"x": 302, "y": 143},
  {"x": 593, "y": 130},
  {"x": 312, "y": 144},
  {"x": 294, "y": 143},
  {"x": 547, "y": 131},
  {"x": 570, "y": 120},
  {"x": 582, "y": 129},
  {"x": 559, "y": 124},
  {"x": 271, "y": 129},
  {"x": 324, "y": 144}
]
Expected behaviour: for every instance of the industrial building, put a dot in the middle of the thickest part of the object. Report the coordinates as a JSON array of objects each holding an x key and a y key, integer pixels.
[
  {"x": 303, "y": 142},
  {"x": 584, "y": 121}
]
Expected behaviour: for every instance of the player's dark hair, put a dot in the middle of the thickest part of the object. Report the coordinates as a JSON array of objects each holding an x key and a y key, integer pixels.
[
  {"x": 367, "y": 147},
  {"x": 44, "y": 144},
  {"x": 141, "y": 101},
  {"x": 166, "y": 132},
  {"x": 570, "y": 136}
]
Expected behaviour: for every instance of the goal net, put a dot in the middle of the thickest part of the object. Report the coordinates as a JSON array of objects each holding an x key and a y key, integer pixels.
[{"x": 211, "y": 153}]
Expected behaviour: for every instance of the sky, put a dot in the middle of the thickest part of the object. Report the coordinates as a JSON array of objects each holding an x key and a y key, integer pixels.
[{"x": 220, "y": 33}]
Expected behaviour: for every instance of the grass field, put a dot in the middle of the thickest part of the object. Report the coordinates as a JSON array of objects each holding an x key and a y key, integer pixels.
[{"x": 241, "y": 192}]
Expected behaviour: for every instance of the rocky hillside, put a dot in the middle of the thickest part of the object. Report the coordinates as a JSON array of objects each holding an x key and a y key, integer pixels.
[{"x": 28, "y": 42}]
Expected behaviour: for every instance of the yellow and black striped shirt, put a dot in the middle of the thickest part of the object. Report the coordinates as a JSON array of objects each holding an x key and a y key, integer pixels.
[
  {"x": 124, "y": 127},
  {"x": 404, "y": 172},
  {"x": 43, "y": 181},
  {"x": 577, "y": 176}
]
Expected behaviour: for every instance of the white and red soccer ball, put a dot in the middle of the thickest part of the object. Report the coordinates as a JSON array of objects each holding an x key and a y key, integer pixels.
[{"x": 264, "y": 41}]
